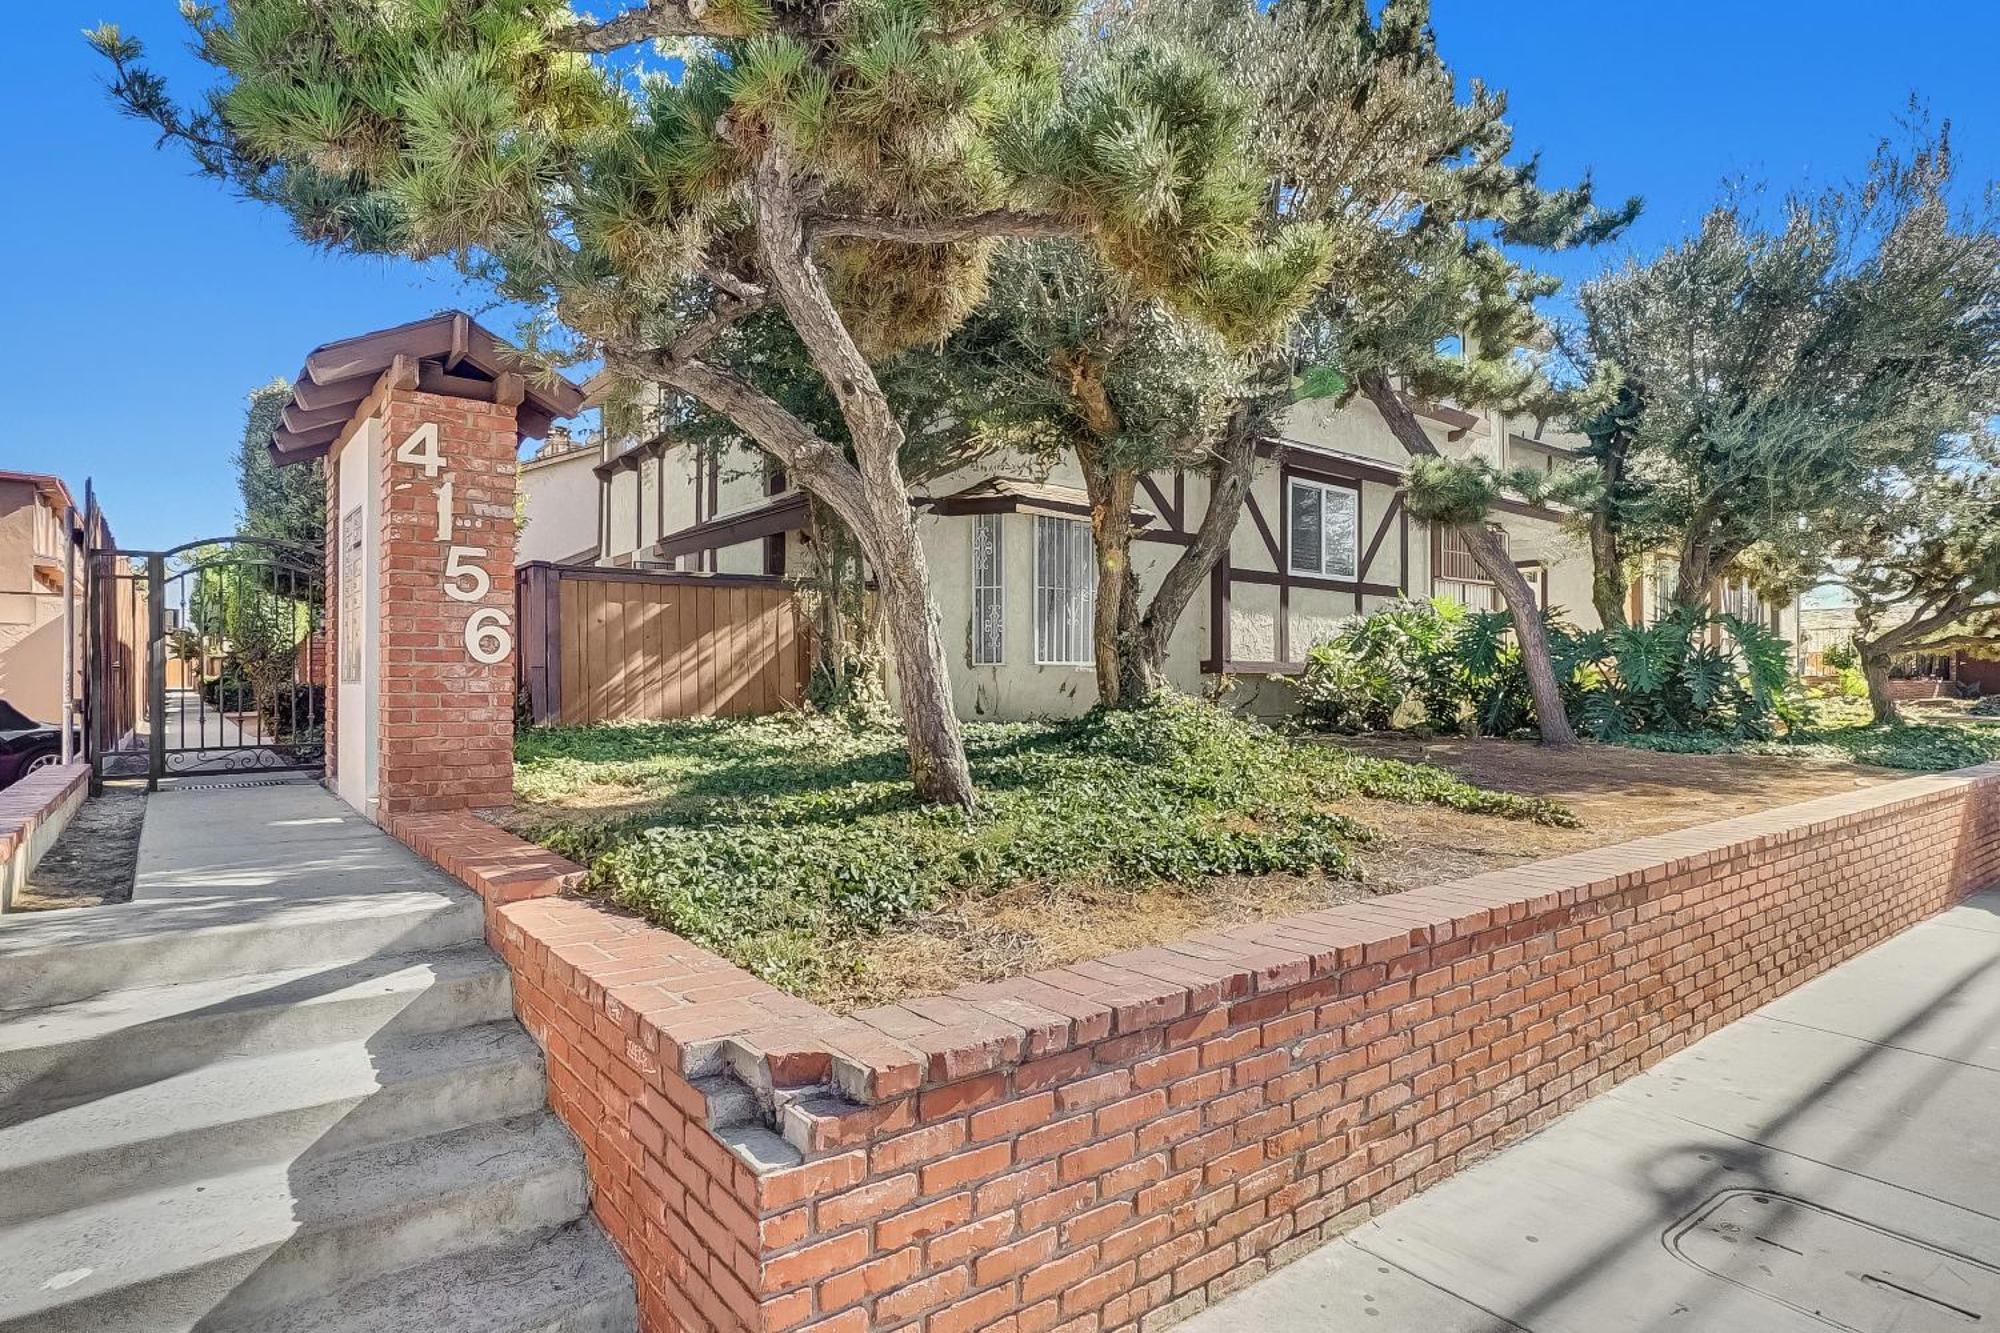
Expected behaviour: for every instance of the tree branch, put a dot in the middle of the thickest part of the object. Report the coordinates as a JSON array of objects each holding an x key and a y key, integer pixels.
[
  {"x": 971, "y": 227},
  {"x": 656, "y": 19},
  {"x": 811, "y": 461},
  {"x": 973, "y": 26},
  {"x": 735, "y": 302},
  {"x": 1915, "y": 633},
  {"x": 785, "y": 257}
]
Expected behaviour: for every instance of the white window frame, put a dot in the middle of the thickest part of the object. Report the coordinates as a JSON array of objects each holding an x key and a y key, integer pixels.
[
  {"x": 1066, "y": 595},
  {"x": 988, "y": 591},
  {"x": 1348, "y": 496}
]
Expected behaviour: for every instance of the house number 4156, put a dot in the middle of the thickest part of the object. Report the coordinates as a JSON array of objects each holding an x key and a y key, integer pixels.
[{"x": 488, "y": 631}]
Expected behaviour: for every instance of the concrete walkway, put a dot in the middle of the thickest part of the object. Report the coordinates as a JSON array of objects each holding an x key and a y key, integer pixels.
[{"x": 1832, "y": 1161}]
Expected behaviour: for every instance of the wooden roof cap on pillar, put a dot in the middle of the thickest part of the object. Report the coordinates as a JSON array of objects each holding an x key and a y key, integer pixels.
[{"x": 454, "y": 357}]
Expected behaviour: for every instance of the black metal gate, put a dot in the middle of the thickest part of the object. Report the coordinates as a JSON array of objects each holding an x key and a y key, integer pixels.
[{"x": 207, "y": 658}]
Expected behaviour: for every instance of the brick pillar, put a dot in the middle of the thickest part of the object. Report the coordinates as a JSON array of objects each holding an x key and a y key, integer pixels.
[{"x": 444, "y": 552}]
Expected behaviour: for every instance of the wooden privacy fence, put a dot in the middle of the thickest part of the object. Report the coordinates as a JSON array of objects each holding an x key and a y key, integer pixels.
[{"x": 611, "y": 645}]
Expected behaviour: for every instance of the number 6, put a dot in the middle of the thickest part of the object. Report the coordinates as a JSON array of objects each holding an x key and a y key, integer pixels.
[
  {"x": 486, "y": 636},
  {"x": 457, "y": 565}
]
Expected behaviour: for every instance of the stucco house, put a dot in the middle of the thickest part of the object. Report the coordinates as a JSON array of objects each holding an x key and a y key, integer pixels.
[
  {"x": 1325, "y": 535},
  {"x": 33, "y": 510}
]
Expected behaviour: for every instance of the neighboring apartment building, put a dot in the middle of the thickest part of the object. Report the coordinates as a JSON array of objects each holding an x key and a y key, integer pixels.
[
  {"x": 1325, "y": 536},
  {"x": 559, "y": 501},
  {"x": 32, "y": 512}
]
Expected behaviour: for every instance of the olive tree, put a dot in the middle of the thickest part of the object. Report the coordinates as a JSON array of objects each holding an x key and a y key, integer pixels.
[
  {"x": 1755, "y": 382},
  {"x": 1919, "y": 552}
]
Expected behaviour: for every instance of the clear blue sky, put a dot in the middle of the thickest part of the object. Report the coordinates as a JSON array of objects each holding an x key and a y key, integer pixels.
[{"x": 143, "y": 303}]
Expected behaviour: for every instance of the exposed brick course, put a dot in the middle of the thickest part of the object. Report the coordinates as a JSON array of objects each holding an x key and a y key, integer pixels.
[{"x": 1113, "y": 1145}]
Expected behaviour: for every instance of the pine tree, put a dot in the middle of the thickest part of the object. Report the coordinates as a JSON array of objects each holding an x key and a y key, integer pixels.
[
  {"x": 285, "y": 505},
  {"x": 1361, "y": 137},
  {"x": 848, "y": 164}
]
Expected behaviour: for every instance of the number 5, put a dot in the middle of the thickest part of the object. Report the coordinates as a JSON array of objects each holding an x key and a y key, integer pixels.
[
  {"x": 457, "y": 566},
  {"x": 486, "y": 636}
]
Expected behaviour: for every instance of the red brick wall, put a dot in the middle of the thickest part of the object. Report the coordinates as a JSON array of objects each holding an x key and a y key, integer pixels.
[
  {"x": 1113, "y": 1145},
  {"x": 1981, "y": 671},
  {"x": 446, "y": 722}
]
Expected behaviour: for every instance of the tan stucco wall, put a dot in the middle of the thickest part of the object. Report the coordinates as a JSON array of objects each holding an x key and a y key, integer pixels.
[
  {"x": 1356, "y": 428},
  {"x": 30, "y": 604},
  {"x": 676, "y": 470},
  {"x": 621, "y": 504}
]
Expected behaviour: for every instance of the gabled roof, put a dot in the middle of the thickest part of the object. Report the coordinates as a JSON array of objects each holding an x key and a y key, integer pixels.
[
  {"x": 1516, "y": 440},
  {"x": 454, "y": 356},
  {"x": 51, "y": 487}
]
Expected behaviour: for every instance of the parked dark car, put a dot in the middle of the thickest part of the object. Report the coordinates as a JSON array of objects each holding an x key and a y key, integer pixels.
[{"x": 25, "y": 744}]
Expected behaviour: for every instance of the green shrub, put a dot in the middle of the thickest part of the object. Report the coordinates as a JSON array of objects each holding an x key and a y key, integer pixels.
[
  {"x": 1377, "y": 666},
  {"x": 229, "y": 690},
  {"x": 1987, "y": 707},
  {"x": 1461, "y": 667}
]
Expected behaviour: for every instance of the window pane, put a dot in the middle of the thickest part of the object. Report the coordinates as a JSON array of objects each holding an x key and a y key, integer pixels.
[
  {"x": 1307, "y": 538},
  {"x": 1340, "y": 516},
  {"x": 988, "y": 620}
]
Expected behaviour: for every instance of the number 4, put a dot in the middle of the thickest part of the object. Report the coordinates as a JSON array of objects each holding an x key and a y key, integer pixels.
[{"x": 421, "y": 449}]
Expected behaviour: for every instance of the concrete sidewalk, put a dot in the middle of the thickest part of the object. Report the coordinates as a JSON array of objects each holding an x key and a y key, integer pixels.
[{"x": 1831, "y": 1161}]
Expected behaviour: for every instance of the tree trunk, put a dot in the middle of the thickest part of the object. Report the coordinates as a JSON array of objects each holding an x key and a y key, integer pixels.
[
  {"x": 1550, "y": 716},
  {"x": 1701, "y": 563},
  {"x": 923, "y": 686},
  {"x": 1875, "y": 670},
  {"x": 1607, "y": 558},
  {"x": 1228, "y": 486},
  {"x": 1117, "y": 614},
  {"x": 1607, "y": 575},
  {"x": 870, "y": 494}
]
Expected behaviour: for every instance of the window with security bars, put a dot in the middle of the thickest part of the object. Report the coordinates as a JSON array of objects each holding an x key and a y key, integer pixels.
[
  {"x": 1455, "y": 574},
  {"x": 1455, "y": 560},
  {"x": 1663, "y": 583},
  {"x": 989, "y": 636},
  {"x": 1065, "y": 592}
]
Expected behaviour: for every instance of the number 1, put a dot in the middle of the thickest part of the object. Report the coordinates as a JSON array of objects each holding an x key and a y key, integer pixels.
[{"x": 444, "y": 511}]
